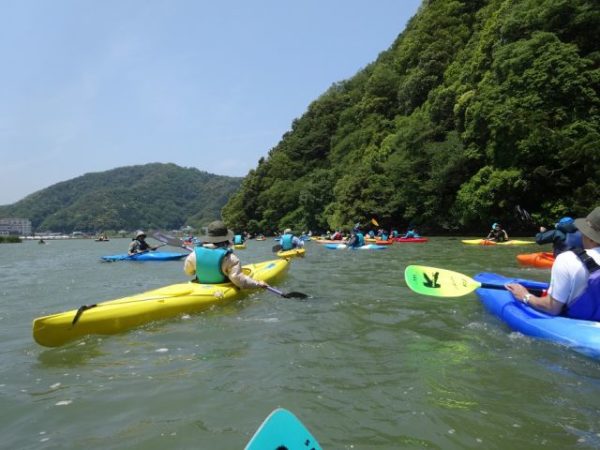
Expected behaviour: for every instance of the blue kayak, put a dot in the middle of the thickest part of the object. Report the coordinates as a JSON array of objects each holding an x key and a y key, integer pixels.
[
  {"x": 583, "y": 336},
  {"x": 364, "y": 247},
  {"x": 146, "y": 256},
  {"x": 282, "y": 430}
]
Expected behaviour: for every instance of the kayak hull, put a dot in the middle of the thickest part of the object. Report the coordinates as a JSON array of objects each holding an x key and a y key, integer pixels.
[
  {"x": 239, "y": 246},
  {"x": 147, "y": 256},
  {"x": 293, "y": 253},
  {"x": 541, "y": 260},
  {"x": 582, "y": 336},
  {"x": 379, "y": 241},
  {"x": 411, "y": 240},
  {"x": 488, "y": 242},
  {"x": 364, "y": 247},
  {"x": 125, "y": 313}
]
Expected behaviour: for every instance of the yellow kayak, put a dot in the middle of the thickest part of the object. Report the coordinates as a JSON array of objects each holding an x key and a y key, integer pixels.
[
  {"x": 239, "y": 246},
  {"x": 292, "y": 253},
  {"x": 125, "y": 313},
  {"x": 488, "y": 242}
]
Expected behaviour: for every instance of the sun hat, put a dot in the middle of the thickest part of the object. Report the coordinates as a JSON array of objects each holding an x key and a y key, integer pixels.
[
  {"x": 217, "y": 232},
  {"x": 139, "y": 233},
  {"x": 287, "y": 231},
  {"x": 565, "y": 219},
  {"x": 590, "y": 226}
]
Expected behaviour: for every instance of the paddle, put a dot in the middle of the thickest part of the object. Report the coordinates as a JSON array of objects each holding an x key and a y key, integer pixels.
[
  {"x": 288, "y": 294},
  {"x": 170, "y": 240},
  {"x": 145, "y": 251},
  {"x": 446, "y": 283}
]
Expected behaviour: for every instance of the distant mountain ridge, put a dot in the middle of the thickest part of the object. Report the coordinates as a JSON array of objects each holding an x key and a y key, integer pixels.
[{"x": 155, "y": 195}]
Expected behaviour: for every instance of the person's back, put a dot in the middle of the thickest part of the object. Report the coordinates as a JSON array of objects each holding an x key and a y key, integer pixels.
[{"x": 560, "y": 237}]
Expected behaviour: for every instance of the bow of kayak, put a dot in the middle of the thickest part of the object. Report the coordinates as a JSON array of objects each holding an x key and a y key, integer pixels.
[
  {"x": 488, "y": 242},
  {"x": 541, "y": 260},
  {"x": 125, "y": 313}
]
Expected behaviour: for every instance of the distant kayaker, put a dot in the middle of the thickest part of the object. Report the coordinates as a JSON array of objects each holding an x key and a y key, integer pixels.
[
  {"x": 138, "y": 244},
  {"x": 239, "y": 239},
  {"x": 357, "y": 239},
  {"x": 214, "y": 262},
  {"x": 411, "y": 234},
  {"x": 563, "y": 237},
  {"x": 497, "y": 233},
  {"x": 289, "y": 241},
  {"x": 575, "y": 279},
  {"x": 337, "y": 236}
]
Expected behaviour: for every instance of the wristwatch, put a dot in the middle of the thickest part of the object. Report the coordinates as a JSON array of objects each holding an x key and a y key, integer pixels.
[{"x": 526, "y": 299}]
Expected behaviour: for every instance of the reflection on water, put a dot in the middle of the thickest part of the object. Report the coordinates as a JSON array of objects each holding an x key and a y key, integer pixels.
[{"x": 365, "y": 362}]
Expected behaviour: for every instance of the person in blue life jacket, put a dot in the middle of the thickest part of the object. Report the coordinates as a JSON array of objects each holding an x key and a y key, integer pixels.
[
  {"x": 411, "y": 233},
  {"x": 565, "y": 236},
  {"x": 497, "y": 234},
  {"x": 138, "y": 244},
  {"x": 395, "y": 233},
  {"x": 214, "y": 261},
  {"x": 357, "y": 239},
  {"x": 288, "y": 241},
  {"x": 575, "y": 278},
  {"x": 238, "y": 239}
]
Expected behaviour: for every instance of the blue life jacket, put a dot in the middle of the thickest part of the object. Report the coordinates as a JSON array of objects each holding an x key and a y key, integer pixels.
[
  {"x": 237, "y": 239},
  {"x": 574, "y": 240},
  {"x": 587, "y": 305},
  {"x": 359, "y": 241},
  {"x": 384, "y": 237},
  {"x": 208, "y": 265},
  {"x": 287, "y": 242}
]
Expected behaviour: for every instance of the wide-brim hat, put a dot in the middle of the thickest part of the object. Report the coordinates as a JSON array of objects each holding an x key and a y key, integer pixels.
[
  {"x": 590, "y": 226},
  {"x": 139, "y": 233},
  {"x": 216, "y": 232}
]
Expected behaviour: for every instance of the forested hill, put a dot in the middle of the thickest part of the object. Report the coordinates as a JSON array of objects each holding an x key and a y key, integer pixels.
[
  {"x": 163, "y": 196},
  {"x": 477, "y": 108}
]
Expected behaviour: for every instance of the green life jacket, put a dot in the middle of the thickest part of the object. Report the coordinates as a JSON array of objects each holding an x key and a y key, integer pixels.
[{"x": 208, "y": 265}]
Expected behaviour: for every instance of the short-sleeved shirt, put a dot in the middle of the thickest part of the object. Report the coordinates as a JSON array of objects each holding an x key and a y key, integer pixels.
[{"x": 569, "y": 276}]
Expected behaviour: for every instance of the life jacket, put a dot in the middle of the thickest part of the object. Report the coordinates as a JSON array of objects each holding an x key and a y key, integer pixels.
[
  {"x": 287, "y": 242},
  {"x": 141, "y": 246},
  {"x": 238, "y": 240},
  {"x": 208, "y": 265},
  {"x": 384, "y": 237},
  {"x": 587, "y": 305},
  {"x": 497, "y": 235},
  {"x": 359, "y": 240}
]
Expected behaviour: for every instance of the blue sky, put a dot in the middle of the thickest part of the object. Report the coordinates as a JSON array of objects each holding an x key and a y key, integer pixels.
[{"x": 87, "y": 86}]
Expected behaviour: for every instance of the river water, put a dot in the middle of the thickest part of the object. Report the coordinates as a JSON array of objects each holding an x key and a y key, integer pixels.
[{"x": 364, "y": 362}]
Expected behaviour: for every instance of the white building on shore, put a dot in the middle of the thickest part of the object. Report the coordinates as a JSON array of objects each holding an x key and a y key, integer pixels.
[{"x": 15, "y": 226}]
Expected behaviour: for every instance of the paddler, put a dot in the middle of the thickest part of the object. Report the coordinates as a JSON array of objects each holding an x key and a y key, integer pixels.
[
  {"x": 288, "y": 241},
  {"x": 563, "y": 237},
  {"x": 497, "y": 233},
  {"x": 357, "y": 239},
  {"x": 138, "y": 244},
  {"x": 575, "y": 279},
  {"x": 214, "y": 262}
]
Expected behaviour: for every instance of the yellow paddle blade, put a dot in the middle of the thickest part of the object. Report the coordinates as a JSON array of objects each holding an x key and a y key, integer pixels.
[{"x": 438, "y": 282}]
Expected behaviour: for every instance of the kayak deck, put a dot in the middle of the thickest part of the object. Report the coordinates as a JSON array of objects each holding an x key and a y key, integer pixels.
[{"x": 125, "y": 313}]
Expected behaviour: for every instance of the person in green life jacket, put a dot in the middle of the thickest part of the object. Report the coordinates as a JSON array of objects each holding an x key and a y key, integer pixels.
[
  {"x": 575, "y": 278},
  {"x": 357, "y": 239},
  {"x": 238, "y": 239},
  {"x": 214, "y": 261},
  {"x": 288, "y": 241},
  {"x": 411, "y": 233},
  {"x": 138, "y": 244},
  {"x": 497, "y": 234}
]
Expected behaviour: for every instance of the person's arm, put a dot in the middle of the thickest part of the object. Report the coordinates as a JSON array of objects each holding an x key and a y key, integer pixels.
[
  {"x": 189, "y": 265},
  {"x": 505, "y": 235},
  {"x": 232, "y": 267},
  {"x": 132, "y": 248},
  {"x": 546, "y": 304}
]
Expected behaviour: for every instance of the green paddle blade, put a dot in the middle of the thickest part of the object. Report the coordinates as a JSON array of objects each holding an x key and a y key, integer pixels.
[{"x": 438, "y": 282}]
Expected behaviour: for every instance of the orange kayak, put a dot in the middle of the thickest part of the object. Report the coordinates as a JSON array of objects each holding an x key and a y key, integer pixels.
[{"x": 542, "y": 260}]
